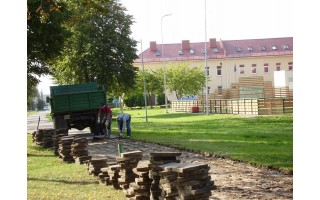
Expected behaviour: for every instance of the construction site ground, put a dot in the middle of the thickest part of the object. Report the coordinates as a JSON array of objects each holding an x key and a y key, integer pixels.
[{"x": 233, "y": 179}]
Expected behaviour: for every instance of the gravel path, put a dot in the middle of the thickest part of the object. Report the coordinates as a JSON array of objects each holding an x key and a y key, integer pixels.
[{"x": 234, "y": 180}]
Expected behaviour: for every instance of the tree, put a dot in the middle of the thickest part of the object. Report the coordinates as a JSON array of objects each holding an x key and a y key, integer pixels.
[
  {"x": 45, "y": 36},
  {"x": 100, "y": 48},
  {"x": 184, "y": 79}
]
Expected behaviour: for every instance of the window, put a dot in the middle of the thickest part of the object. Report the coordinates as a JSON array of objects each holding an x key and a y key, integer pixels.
[
  {"x": 192, "y": 51},
  {"x": 157, "y": 53},
  {"x": 290, "y": 64},
  {"x": 254, "y": 68},
  {"x": 262, "y": 48},
  {"x": 180, "y": 52},
  {"x": 219, "y": 70},
  {"x": 238, "y": 49},
  {"x": 215, "y": 50},
  {"x": 204, "y": 51},
  {"x": 266, "y": 67},
  {"x": 208, "y": 90},
  {"x": 274, "y": 47},
  {"x": 278, "y": 67},
  {"x": 285, "y": 47},
  {"x": 219, "y": 89},
  {"x": 250, "y": 48},
  {"x": 208, "y": 71},
  {"x": 241, "y": 69}
]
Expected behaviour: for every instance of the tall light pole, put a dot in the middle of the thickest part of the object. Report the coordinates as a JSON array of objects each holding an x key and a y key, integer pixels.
[
  {"x": 144, "y": 85},
  {"x": 205, "y": 54},
  {"x": 164, "y": 66}
]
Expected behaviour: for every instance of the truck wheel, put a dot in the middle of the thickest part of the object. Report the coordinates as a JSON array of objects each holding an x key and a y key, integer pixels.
[{"x": 94, "y": 130}]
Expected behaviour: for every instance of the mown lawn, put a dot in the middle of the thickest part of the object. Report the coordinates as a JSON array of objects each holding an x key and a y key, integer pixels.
[
  {"x": 49, "y": 178},
  {"x": 259, "y": 140}
]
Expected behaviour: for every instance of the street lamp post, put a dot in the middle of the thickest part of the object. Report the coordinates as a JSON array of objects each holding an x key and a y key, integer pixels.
[
  {"x": 164, "y": 66},
  {"x": 144, "y": 85}
]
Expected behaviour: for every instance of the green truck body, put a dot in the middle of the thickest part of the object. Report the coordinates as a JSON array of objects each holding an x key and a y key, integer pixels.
[{"x": 76, "y": 106}]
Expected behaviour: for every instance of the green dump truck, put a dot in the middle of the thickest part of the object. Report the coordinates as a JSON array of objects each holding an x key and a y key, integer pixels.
[{"x": 76, "y": 106}]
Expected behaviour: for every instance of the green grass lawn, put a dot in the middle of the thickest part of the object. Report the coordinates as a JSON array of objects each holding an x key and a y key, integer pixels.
[
  {"x": 49, "y": 178},
  {"x": 259, "y": 140}
]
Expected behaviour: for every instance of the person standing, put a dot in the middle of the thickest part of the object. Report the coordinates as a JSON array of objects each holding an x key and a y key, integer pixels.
[
  {"x": 102, "y": 119},
  {"x": 108, "y": 112},
  {"x": 124, "y": 121}
]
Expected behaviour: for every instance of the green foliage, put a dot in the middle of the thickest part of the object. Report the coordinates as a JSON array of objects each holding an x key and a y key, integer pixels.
[
  {"x": 136, "y": 100},
  {"x": 184, "y": 79},
  {"x": 45, "y": 36},
  {"x": 102, "y": 49}
]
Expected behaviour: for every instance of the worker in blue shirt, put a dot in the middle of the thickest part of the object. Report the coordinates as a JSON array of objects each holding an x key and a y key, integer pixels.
[{"x": 124, "y": 121}]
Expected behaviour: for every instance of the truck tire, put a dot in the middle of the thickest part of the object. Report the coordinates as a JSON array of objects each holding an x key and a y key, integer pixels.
[
  {"x": 60, "y": 123},
  {"x": 94, "y": 129}
]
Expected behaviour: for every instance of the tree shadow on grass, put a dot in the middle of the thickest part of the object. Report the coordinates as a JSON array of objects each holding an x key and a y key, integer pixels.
[{"x": 63, "y": 181}]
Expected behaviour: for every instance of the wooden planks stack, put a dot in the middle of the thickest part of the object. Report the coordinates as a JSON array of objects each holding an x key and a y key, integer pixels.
[
  {"x": 186, "y": 181},
  {"x": 94, "y": 165},
  {"x": 65, "y": 149},
  {"x": 127, "y": 162},
  {"x": 79, "y": 150},
  {"x": 43, "y": 137},
  {"x": 58, "y": 133},
  {"x": 141, "y": 186},
  {"x": 156, "y": 159}
]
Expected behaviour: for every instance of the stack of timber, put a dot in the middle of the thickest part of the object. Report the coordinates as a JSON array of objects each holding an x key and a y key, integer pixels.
[
  {"x": 234, "y": 91},
  {"x": 43, "y": 137},
  {"x": 142, "y": 184},
  {"x": 186, "y": 181},
  {"x": 268, "y": 89},
  {"x": 251, "y": 81},
  {"x": 65, "y": 149},
  {"x": 58, "y": 133},
  {"x": 94, "y": 166},
  {"x": 79, "y": 150},
  {"x": 157, "y": 159},
  {"x": 127, "y": 162},
  {"x": 221, "y": 94}
]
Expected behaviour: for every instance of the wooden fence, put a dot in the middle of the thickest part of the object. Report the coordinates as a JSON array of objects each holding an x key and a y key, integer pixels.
[{"x": 270, "y": 106}]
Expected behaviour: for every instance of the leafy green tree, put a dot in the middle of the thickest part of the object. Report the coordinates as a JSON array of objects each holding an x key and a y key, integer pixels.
[
  {"x": 184, "y": 79},
  {"x": 100, "y": 48},
  {"x": 45, "y": 36}
]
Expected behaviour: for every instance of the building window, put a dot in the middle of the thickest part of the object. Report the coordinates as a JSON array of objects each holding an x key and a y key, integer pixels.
[
  {"x": 208, "y": 90},
  {"x": 285, "y": 47},
  {"x": 219, "y": 71},
  {"x": 262, "y": 48},
  {"x": 250, "y": 48},
  {"x": 266, "y": 67},
  {"x": 180, "y": 52},
  {"x": 192, "y": 51},
  {"x": 208, "y": 71},
  {"x": 238, "y": 49},
  {"x": 157, "y": 53},
  {"x": 215, "y": 50},
  {"x": 278, "y": 67},
  {"x": 204, "y": 51},
  {"x": 254, "y": 68},
  {"x": 290, "y": 64},
  {"x": 219, "y": 89},
  {"x": 241, "y": 69},
  {"x": 274, "y": 47}
]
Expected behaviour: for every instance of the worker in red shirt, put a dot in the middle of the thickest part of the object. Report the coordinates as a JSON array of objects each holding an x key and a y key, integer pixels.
[{"x": 108, "y": 112}]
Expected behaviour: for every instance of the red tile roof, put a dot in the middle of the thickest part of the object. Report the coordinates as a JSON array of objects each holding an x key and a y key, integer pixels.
[{"x": 225, "y": 48}]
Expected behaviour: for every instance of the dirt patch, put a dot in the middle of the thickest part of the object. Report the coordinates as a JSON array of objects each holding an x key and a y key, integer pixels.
[{"x": 234, "y": 180}]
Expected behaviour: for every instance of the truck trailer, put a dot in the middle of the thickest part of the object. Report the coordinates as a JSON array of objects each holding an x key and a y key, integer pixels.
[{"x": 76, "y": 106}]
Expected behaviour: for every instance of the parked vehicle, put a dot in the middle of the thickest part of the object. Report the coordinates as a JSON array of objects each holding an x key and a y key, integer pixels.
[{"x": 76, "y": 106}]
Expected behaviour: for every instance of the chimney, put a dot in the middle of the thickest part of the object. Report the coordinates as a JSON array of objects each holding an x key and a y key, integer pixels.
[
  {"x": 213, "y": 43},
  {"x": 185, "y": 45},
  {"x": 153, "y": 46}
]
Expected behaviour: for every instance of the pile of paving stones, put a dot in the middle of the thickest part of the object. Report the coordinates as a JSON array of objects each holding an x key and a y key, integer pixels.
[
  {"x": 43, "y": 137},
  {"x": 58, "y": 133},
  {"x": 94, "y": 166},
  {"x": 64, "y": 149},
  {"x": 79, "y": 150}
]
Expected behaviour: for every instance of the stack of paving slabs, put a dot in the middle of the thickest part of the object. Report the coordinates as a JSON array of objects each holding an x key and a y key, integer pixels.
[
  {"x": 142, "y": 184},
  {"x": 113, "y": 173},
  {"x": 127, "y": 162},
  {"x": 94, "y": 165},
  {"x": 104, "y": 175},
  {"x": 79, "y": 150},
  {"x": 58, "y": 133},
  {"x": 43, "y": 137},
  {"x": 186, "y": 181},
  {"x": 156, "y": 159},
  {"x": 65, "y": 149}
]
